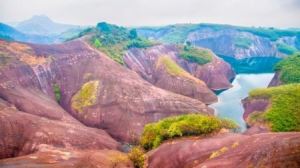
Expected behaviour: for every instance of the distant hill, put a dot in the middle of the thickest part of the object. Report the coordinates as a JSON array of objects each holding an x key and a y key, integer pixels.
[
  {"x": 227, "y": 40},
  {"x": 8, "y": 33},
  {"x": 43, "y": 25}
]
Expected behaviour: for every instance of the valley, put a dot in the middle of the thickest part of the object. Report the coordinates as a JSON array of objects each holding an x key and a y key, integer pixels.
[{"x": 191, "y": 95}]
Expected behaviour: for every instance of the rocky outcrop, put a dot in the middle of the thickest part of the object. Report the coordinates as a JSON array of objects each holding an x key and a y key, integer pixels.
[
  {"x": 275, "y": 80},
  {"x": 216, "y": 74},
  {"x": 229, "y": 150},
  {"x": 22, "y": 133},
  {"x": 254, "y": 105},
  {"x": 92, "y": 88},
  {"x": 50, "y": 157}
]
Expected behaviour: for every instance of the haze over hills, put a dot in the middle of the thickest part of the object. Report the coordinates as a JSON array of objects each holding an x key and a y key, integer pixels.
[
  {"x": 39, "y": 29},
  {"x": 112, "y": 96},
  {"x": 43, "y": 25}
]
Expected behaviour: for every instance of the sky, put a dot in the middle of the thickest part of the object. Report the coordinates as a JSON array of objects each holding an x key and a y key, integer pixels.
[{"x": 267, "y": 13}]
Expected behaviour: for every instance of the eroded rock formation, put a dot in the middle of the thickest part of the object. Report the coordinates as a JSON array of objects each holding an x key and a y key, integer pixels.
[{"x": 229, "y": 150}]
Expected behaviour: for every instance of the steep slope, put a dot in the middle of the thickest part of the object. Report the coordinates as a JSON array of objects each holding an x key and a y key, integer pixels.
[
  {"x": 163, "y": 66},
  {"x": 93, "y": 88},
  {"x": 229, "y": 150},
  {"x": 22, "y": 133},
  {"x": 42, "y": 25}
]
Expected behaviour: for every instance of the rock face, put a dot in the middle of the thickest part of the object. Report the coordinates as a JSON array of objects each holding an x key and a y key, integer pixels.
[
  {"x": 92, "y": 88},
  {"x": 223, "y": 42},
  {"x": 50, "y": 157},
  {"x": 254, "y": 105},
  {"x": 22, "y": 133},
  {"x": 146, "y": 62},
  {"x": 230, "y": 150},
  {"x": 275, "y": 80}
]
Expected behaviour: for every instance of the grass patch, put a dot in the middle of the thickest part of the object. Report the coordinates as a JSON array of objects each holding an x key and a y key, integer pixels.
[
  {"x": 86, "y": 96},
  {"x": 284, "y": 112},
  {"x": 137, "y": 156},
  {"x": 196, "y": 55},
  {"x": 242, "y": 42},
  {"x": 184, "y": 125},
  {"x": 289, "y": 69},
  {"x": 171, "y": 66},
  {"x": 57, "y": 92}
]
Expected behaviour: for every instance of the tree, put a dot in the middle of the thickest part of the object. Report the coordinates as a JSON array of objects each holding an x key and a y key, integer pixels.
[
  {"x": 97, "y": 43},
  {"x": 133, "y": 34}
]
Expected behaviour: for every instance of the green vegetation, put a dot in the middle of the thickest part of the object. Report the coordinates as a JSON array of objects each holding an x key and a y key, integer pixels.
[
  {"x": 286, "y": 49},
  {"x": 284, "y": 111},
  {"x": 5, "y": 37},
  {"x": 196, "y": 55},
  {"x": 137, "y": 156},
  {"x": 178, "y": 33},
  {"x": 171, "y": 66},
  {"x": 57, "y": 92},
  {"x": 86, "y": 96},
  {"x": 289, "y": 69},
  {"x": 185, "y": 125},
  {"x": 270, "y": 33},
  {"x": 242, "y": 42},
  {"x": 114, "y": 40}
]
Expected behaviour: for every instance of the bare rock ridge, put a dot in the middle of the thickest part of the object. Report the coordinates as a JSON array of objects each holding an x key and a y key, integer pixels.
[
  {"x": 146, "y": 62},
  {"x": 229, "y": 150},
  {"x": 94, "y": 89},
  {"x": 51, "y": 157}
]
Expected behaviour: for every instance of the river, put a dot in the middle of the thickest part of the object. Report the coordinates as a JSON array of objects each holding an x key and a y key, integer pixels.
[{"x": 229, "y": 103}]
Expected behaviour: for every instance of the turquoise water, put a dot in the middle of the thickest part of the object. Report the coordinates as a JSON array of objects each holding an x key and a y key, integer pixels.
[{"x": 229, "y": 103}]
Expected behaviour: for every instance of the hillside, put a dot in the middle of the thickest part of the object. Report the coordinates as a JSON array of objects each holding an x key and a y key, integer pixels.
[
  {"x": 287, "y": 71},
  {"x": 227, "y": 40},
  {"x": 276, "y": 107}
]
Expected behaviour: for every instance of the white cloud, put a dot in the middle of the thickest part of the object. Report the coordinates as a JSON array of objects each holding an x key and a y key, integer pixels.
[{"x": 278, "y": 13}]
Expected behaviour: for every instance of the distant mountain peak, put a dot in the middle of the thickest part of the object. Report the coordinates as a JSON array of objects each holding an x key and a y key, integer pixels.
[
  {"x": 40, "y": 18},
  {"x": 42, "y": 25}
]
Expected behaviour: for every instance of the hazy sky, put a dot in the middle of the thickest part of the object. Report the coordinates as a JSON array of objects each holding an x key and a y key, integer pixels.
[{"x": 277, "y": 13}]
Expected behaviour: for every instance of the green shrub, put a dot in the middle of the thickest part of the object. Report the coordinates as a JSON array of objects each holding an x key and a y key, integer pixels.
[
  {"x": 171, "y": 66},
  {"x": 86, "y": 96},
  {"x": 196, "y": 55},
  {"x": 184, "y": 125},
  {"x": 242, "y": 42},
  {"x": 284, "y": 111},
  {"x": 289, "y": 69},
  {"x": 286, "y": 49},
  {"x": 137, "y": 156},
  {"x": 57, "y": 92},
  {"x": 139, "y": 43}
]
